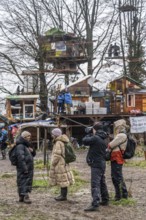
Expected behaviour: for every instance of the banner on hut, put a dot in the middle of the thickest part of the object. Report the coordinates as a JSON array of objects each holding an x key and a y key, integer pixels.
[{"x": 138, "y": 124}]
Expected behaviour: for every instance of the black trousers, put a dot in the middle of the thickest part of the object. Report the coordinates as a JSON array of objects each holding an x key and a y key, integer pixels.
[
  {"x": 118, "y": 180},
  {"x": 64, "y": 192},
  {"x": 60, "y": 108},
  {"x": 98, "y": 186},
  {"x": 24, "y": 182}
]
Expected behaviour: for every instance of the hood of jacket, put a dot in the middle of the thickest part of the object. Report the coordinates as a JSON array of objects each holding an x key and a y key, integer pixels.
[
  {"x": 121, "y": 126},
  {"x": 102, "y": 134},
  {"x": 62, "y": 138},
  {"x": 21, "y": 140}
]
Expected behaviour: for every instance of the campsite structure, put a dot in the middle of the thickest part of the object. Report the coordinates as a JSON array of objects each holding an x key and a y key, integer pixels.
[{"x": 64, "y": 51}]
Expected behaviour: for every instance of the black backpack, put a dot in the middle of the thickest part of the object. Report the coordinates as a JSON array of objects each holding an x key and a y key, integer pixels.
[
  {"x": 69, "y": 153},
  {"x": 130, "y": 148},
  {"x": 13, "y": 156}
]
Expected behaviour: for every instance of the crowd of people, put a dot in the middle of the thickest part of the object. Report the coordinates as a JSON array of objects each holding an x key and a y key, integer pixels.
[{"x": 60, "y": 173}]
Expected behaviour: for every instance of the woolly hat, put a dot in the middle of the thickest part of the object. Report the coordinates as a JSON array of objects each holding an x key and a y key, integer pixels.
[
  {"x": 98, "y": 126},
  {"x": 56, "y": 132},
  {"x": 25, "y": 134},
  {"x": 121, "y": 122}
]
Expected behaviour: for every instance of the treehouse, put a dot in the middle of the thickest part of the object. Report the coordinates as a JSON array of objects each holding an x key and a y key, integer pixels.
[
  {"x": 21, "y": 107},
  {"x": 63, "y": 50},
  {"x": 127, "y": 8},
  {"x": 124, "y": 95}
]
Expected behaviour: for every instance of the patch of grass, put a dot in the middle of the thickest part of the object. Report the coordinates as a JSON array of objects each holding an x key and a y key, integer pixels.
[
  {"x": 139, "y": 151},
  {"x": 38, "y": 183},
  {"x": 8, "y": 175},
  {"x": 124, "y": 202},
  {"x": 39, "y": 164},
  {"x": 134, "y": 163}
]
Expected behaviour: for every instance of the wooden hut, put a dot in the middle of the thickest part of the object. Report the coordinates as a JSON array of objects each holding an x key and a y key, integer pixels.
[
  {"x": 21, "y": 107},
  {"x": 125, "y": 95}
]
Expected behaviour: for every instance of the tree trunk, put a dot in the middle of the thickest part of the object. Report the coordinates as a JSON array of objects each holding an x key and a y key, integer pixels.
[{"x": 43, "y": 89}]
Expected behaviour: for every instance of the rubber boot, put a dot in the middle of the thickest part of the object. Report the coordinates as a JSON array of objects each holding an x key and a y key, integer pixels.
[{"x": 63, "y": 195}]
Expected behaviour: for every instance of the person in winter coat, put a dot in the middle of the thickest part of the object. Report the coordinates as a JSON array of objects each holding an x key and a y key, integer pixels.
[
  {"x": 68, "y": 102},
  {"x": 117, "y": 161},
  {"x": 3, "y": 142},
  {"x": 60, "y": 103},
  {"x": 25, "y": 167},
  {"x": 60, "y": 173},
  {"x": 96, "y": 160}
]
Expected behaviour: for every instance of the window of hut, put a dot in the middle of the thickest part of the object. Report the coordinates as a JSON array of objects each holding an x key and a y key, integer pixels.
[{"x": 130, "y": 100}]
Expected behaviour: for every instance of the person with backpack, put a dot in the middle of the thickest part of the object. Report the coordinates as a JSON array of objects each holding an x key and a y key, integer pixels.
[
  {"x": 3, "y": 142},
  {"x": 24, "y": 166},
  {"x": 118, "y": 146},
  {"x": 96, "y": 140},
  {"x": 60, "y": 173}
]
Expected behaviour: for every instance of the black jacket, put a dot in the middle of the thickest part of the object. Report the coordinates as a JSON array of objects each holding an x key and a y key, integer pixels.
[
  {"x": 24, "y": 156},
  {"x": 97, "y": 148}
]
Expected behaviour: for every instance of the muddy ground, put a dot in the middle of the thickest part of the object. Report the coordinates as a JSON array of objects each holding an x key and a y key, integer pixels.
[{"x": 44, "y": 207}]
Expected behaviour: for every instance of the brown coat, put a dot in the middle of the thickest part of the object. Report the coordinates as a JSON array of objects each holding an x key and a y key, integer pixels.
[{"x": 60, "y": 173}]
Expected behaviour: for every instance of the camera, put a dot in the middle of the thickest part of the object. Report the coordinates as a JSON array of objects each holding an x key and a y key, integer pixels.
[{"x": 89, "y": 130}]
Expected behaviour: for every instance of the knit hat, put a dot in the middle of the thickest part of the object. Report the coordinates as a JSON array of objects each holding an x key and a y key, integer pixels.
[
  {"x": 98, "y": 126},
  {"x": 56, "y": 132},
  {"x": 25, "y": 134},
  {"x": 121, "y": 122}
]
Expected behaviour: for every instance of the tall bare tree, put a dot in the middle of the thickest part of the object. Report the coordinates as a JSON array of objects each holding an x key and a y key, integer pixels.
[
  {"x": 132, "y": 18},
  {"x": 24, "y": 21},
  {"x": 85, "y": 19}
]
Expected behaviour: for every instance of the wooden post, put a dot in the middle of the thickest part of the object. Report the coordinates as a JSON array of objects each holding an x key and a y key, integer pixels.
[
  {"x": 38, "y": 138},
  {"x": 45, "y": 146}
]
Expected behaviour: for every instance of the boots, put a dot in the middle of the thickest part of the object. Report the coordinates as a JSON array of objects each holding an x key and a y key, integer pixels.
[
  {"x": 27, "y": 199},
  {"x": 60, "y": 198},
  {"x": 91, "y": 208},
  {"x": 63, "y": 195},
  {"x": 21, "y": 198},
  {"x": 104, "y": 203}
]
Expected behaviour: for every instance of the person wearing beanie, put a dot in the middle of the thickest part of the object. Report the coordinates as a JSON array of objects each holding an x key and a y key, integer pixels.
[
  {"x": 24, "y": 166},
  {"x": 117, "y": 161},
  {"x": 60, "y": 173},
  {"x": 56, "y": 132},
  {"x": 96, "y": 160}
]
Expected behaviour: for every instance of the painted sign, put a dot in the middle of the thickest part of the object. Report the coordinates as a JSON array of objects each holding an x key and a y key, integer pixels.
[{"x": 138, "y": 124}]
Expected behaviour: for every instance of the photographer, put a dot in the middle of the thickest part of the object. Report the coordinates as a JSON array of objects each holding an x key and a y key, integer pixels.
[{"x": 96, "y": 160}]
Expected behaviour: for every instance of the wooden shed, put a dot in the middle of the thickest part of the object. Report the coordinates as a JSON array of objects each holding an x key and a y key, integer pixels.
[
  {"x": 21, "y": 107},
  {"x": 125, "y": 95}
]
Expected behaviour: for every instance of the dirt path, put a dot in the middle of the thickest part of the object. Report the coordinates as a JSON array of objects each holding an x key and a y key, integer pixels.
[{"x": 44, "y": 207}]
